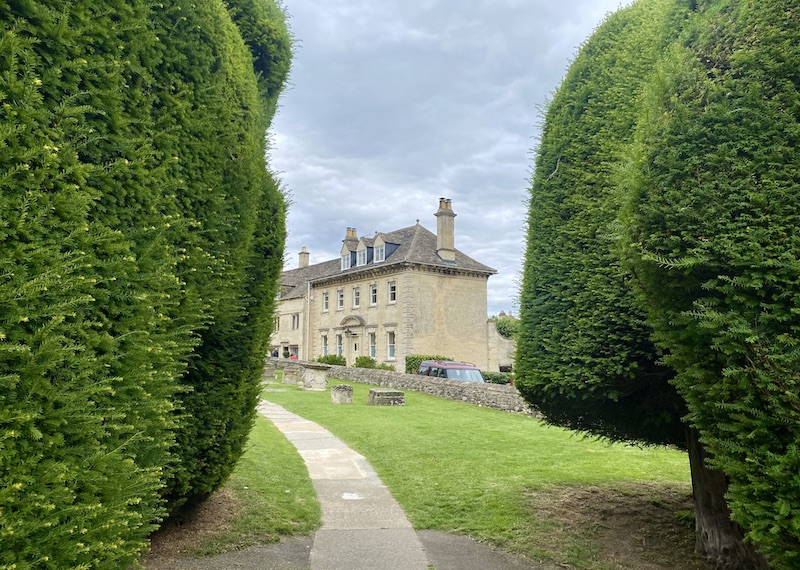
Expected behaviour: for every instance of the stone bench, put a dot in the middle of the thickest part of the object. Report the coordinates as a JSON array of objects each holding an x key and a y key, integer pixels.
[{"x": 382, "y": 397}]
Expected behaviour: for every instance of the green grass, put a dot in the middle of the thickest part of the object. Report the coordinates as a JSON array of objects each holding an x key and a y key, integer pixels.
[
  {"x": 470, "y": 470},
  {"x": 273, "y": 491}
]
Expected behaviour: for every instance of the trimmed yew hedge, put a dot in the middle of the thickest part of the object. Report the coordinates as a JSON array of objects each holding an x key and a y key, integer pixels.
[
  {"x": 414, "y": 360},
  {"x": 664, "y": 206},
  {"x": 584, "y": 355},
  {"x": 132, "y": 182},
  {"x": 712, "y": 219}
]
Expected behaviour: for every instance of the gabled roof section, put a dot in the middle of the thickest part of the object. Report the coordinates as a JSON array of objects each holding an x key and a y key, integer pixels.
[
  {"x": 415, "y": 245},
  {"x": 294, "y": 282},
  {"x": 418, "y": 245}
]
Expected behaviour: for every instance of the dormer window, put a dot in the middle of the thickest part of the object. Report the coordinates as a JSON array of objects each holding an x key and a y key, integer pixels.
[
  {"x": 380, "y": 253},
  {"x": 361, "y": 257},
  {"x": 346, "y": 261}
]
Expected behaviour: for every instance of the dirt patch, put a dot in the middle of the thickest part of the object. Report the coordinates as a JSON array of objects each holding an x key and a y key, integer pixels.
[
  {"x": 646, "y": 526},
  {"x": 195, "y": 525}
]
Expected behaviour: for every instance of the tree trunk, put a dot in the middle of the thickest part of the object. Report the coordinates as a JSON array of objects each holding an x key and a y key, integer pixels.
[{"x": 719, "y": 539}]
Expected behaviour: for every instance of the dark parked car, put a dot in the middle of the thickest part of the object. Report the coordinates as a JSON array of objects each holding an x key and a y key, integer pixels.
[{"x": 452, "y": 370}]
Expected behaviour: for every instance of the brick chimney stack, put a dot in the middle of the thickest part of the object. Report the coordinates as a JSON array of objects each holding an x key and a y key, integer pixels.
[
  {"x": 304, "y": 255},
  {"x": 350, "y": 235},
  {"x": 445, "y": 230}
]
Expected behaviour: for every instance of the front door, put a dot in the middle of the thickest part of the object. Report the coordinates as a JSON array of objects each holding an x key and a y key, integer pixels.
[{"x": 354, "y": 350}]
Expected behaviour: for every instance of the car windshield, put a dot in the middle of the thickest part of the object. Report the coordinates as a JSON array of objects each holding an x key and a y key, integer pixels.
[{"x": 467, "y": 375}]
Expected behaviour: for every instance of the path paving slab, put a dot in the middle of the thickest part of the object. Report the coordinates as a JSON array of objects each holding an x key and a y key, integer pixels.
[
  {"x": 363, "y": 527},
  {"x": 368, "y": 549}
]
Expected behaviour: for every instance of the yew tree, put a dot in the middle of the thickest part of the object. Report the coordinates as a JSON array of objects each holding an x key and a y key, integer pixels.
[
  {"x": 584, "y": 354},
  {"x": 712, "y": 218},
  {"x": 592, "y": 355},
  {"x": 90, "y": 356},
  {"x": 214, "y": 102},
  {"x": 141, "y": 239}
]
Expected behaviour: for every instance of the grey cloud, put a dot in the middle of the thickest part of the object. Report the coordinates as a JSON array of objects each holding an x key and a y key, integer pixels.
[{"x": 394, "y": 104}]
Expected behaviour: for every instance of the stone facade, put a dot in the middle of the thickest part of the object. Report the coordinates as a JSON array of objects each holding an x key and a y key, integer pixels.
[
  {"x": 398, "y": 293},
  {"x": 289, "y": 331}
]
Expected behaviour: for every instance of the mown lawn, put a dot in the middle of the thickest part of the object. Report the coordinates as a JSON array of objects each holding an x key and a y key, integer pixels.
[{"x": 464, "y": 469}]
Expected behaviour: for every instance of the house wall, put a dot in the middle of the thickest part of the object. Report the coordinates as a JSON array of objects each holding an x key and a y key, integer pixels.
[
  {"x": 501, "y": 350},
  {"x": 446, "y": 315},
  {"x": 288, "y": 337},
  {"x": 379, "y": 318},
  {"x": 434, "y": 313}
]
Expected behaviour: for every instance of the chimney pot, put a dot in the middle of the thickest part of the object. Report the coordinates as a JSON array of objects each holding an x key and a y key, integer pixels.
[
  {"x": 445, "y": 231},
  {"x": 303, "y": 255},
  {"x": 303, "y": 258}
]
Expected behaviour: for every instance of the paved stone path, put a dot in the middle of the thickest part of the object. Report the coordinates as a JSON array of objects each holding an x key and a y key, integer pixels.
[{"x": 363, "y": 527}]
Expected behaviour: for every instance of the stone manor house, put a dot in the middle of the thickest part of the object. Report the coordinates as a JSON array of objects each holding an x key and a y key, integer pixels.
[{"x": 403, "y": 292}]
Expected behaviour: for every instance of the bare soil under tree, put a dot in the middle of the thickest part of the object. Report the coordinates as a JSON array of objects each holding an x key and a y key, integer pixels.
[{"x": 646, "y": 526}]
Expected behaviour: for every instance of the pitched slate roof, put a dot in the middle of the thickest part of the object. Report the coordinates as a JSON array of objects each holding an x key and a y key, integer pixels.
[
  {"x": 416, "y": 245},
  {"x": 293, "y": 281}
]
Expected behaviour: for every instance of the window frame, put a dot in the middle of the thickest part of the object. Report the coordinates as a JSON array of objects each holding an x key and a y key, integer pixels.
[
  {"x": 379, "y": 254},
  {"x": 340, "y": 299},
  {"x": 392, "y": 292},
  {"x": 356, "y": 297},
  {"x": 391, "y": 345}
]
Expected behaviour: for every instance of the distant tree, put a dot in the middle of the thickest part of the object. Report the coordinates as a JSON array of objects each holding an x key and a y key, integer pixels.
[
  {"x": 585, "y": 356},
  {"x": 712, "y": 221},
  {"x": 507, "y": 327}
]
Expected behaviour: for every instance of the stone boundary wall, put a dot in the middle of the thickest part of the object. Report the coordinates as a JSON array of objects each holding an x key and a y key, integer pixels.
[{"x": 503, "y": 397}]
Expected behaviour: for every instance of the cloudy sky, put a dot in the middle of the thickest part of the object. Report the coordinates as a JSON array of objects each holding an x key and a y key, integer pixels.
[{"x": 392, "y": 104}]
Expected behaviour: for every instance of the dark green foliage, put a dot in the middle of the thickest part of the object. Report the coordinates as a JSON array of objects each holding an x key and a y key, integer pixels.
[
  {"x": 89, "y": 355},
  {"x": 414, "y": 360},
  {"x": 584, "y": 356},
  {"x": 507, "y": 327},
  {"x": 713, "y": 217},
  {"x": 138, "y": 224},
  {"x": 365, "y": 362},
  {"x": 212, "y": 124},
  {"x": 335, "y": 359},
  {"x": 262, "y": 25},
  {"x": 498, "y": 377},
  {"x": 675, "y": 134}
]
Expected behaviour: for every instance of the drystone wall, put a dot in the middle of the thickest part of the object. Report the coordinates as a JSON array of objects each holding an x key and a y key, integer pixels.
[{"x": 497, "y": 396}]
